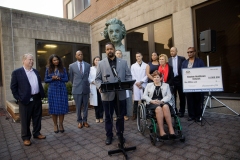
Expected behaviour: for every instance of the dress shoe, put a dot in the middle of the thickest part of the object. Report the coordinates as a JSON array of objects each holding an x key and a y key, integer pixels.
[
  {"x": 172, "y": 136},
  {"x": 198, "y": 120},
  {"x": 61, "y": 129},
  {"x": 126, "y": 118},
  {"x": 56, "y": 129},
  {"x": 108, "y": 141},
  {"x": 80, "y": 125},
  {"x": 85, "y": 124},
  {"x": 181, "y": 114},
  {"x": 164, "y": 137},
  {"x": 97, "y": 120},
  {"x": 27, "y": 142},
  {"x": 40, "y": 136},
  {"x": 190, "y": 119},
  {"x": 101, "y": 120},
  {"x": 134, "y": 117}
]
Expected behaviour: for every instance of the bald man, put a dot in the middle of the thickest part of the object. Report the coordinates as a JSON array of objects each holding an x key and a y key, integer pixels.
[{"x": 176, "y": 62}]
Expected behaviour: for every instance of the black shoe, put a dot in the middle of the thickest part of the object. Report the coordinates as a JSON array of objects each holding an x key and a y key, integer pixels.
[
  {"x": 172, "y": 136},
  {"x": 108, "y": 141},
  {"x": 191, "y": 119},
  {"x": 198, "y": 120},
  {"x": 164, "y": 137},
  {"x": 181, "y": 114}
]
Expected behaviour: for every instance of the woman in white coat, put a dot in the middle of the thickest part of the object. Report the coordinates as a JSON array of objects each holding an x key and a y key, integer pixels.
[
  {"x": 95, "y": 97},
  {"x": 158, "y": 97}
]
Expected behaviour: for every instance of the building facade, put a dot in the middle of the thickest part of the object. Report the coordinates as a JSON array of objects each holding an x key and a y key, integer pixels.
[
  {"x": 23, "y": 32},
  {"x": 157, "y": 25}
]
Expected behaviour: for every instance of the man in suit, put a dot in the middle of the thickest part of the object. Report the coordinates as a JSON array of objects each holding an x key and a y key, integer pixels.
[
  {"x": 78, "y": 75},
  {"x": 176, "y": 62},
  {"x": 28, "y": 91},
  {"x": 105, "y": 67}
]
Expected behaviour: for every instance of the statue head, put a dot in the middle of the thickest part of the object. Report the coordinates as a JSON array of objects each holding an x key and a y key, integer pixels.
[{"x": 114, "y": 30}]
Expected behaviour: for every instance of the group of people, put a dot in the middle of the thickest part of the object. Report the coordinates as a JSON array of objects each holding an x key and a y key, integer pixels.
[{"x": 155, "y": 82}]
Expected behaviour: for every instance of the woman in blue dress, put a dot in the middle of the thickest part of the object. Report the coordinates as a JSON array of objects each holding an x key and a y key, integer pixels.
[{"x": 56, "y": 76}]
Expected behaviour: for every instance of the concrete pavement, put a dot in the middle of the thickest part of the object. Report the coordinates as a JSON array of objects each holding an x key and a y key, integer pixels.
[{"x": 219, "y": 140}]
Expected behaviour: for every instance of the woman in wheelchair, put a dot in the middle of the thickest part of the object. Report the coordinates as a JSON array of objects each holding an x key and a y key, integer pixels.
[{"x": 157, "y": 95}]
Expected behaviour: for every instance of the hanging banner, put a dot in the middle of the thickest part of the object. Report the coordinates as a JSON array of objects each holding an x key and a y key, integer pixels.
[{"x": 204, "y": 79}]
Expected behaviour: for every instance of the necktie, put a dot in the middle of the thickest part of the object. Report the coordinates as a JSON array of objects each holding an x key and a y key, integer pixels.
[{"x": 81, "y": 71}]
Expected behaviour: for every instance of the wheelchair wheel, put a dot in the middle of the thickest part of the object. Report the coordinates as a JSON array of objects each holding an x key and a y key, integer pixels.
[{"x": 141, "y": 118}]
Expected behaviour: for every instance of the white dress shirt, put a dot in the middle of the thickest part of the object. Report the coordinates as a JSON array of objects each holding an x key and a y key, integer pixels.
[
  {"x": 175, "y": 66},
  {"x": 32, "y": 78}
]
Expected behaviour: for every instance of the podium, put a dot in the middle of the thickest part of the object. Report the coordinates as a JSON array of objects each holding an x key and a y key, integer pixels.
[{"x": 115, "y": 87}]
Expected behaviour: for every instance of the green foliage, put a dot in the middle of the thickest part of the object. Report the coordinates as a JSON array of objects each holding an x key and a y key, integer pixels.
[
  {"x": 69, "y": 88},
  {"x": 45, "y": 88}
]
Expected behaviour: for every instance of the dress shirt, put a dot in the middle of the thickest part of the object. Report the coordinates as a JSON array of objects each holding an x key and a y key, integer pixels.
[
  {"x": 175, "y": 65},
  {"x": 82, "y": 66},
  {"x": 32, "y": 78}
]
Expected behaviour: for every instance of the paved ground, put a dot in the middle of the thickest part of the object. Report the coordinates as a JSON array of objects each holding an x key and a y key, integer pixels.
[{"x": 219, "y": 140}]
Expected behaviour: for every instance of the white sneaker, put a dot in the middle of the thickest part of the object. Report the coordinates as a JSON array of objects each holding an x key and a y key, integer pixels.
[
  {"x": 97, "y": 120},
  {"x": 101, "y": 120}
]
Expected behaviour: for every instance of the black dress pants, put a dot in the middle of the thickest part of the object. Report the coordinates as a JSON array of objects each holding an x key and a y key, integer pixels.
[
  {"x": 194, "y": 102},
  {"x": 109, "y": 107},
  {"x": 178, "y": 88},
  {"x": 31, "y": 111},
  {"x": 99, "y": 108}
]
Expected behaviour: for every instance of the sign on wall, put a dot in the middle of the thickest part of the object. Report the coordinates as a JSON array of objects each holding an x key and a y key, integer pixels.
[{"x": 205, "y": 79}]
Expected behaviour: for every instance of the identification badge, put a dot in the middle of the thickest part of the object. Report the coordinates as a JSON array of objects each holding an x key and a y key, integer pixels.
[{"x": 31, "y": 99}]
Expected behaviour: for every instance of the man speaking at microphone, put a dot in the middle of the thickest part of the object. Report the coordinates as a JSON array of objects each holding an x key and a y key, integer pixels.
[{"x": 118, "y": 70}]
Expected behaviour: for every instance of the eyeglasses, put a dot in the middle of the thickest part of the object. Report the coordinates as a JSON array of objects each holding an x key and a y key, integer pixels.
[{"x": 190, "y": 52}]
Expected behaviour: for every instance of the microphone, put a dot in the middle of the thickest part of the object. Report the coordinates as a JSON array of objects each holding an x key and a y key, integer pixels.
[
  {"x": 107, "y": 75},
  {"x": 114, "y": 71}
]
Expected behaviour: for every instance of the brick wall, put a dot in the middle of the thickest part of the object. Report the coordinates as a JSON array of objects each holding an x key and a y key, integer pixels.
[
  {"x": 19, "y": 30},
  {"x": 96, "y": 8}
]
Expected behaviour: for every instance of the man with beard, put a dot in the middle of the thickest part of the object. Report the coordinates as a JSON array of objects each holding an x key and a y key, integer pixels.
[{"x": 109, "y": 99}]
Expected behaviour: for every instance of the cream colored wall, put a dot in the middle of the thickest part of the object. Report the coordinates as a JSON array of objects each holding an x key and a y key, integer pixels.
[{"x": 141, "y": 12}]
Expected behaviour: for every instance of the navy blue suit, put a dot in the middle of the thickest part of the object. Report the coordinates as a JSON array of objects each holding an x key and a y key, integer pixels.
[
  {"x": 177, "y": 83},
  {"x": 195, "y": 99},
  {"x": 21, "y": 90}
]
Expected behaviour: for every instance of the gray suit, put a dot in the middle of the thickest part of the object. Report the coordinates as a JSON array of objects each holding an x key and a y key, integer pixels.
[
  {"x": 108, "y": 99},
  {"x": 80, "y": 88},
  {"x": 123, "y": 73}
]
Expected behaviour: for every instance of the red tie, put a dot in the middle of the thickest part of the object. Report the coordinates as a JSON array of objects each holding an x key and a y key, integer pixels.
[{"x": 81, "y": 71}]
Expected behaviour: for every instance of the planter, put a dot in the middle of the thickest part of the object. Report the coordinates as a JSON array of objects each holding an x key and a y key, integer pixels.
[{"x": 13, "y": 109}]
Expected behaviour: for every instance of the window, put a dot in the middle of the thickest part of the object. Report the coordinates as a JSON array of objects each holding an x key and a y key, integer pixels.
[
  {"x": 137, "y": 41},
  {"x": 226, "y": 24},
  {"x": 70, "y": 10},
  {"x": 163, "y": 36},
  {"x": 64, "y": 50},
  {"x": 80, "y": 5},
  {"x": 156, "y": 36}
]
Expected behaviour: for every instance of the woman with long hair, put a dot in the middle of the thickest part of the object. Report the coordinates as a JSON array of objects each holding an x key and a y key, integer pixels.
[
  {"x": 152, "y": 66},
  {"x": 56, "y": 76},
  {"x": 95, "y": 97}
]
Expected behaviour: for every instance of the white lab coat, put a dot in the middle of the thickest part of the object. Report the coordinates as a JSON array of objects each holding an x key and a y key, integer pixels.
[
  {"x": 139, "y": 74},
  {"x": 93, "y": 90}
]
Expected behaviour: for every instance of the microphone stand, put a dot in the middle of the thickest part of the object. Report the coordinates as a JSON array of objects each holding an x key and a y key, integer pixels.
[{"x": 122, "y": 149}]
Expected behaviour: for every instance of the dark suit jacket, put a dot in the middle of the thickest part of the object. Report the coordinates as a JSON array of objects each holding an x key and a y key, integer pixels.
[
  {"x": 179, "y": 67},
  {"x": 80, "y": 83},
  {"x": 197, "y": 63},
  {"x": 20, "y": 86}
]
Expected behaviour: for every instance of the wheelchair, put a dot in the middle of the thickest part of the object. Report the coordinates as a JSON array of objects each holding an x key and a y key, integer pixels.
[{"x": 146, "y": 119}]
